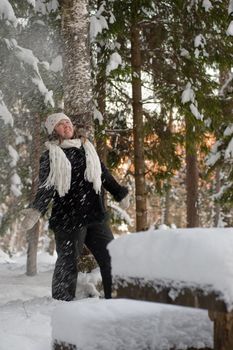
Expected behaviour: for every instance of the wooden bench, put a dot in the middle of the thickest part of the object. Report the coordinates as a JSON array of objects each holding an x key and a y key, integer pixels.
[
  {"x": 58, "y": 345},
  {"x": 167, "y": 293},
  {"x": 121, "y": 324},
  {"x": 170, "y": 267}
]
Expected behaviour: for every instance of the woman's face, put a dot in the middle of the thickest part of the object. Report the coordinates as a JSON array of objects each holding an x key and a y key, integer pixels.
[{"x": 64, "y": 129}]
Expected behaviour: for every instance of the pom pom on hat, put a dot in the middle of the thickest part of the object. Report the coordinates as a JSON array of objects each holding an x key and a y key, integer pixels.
[{"x": 53, "y": 119}]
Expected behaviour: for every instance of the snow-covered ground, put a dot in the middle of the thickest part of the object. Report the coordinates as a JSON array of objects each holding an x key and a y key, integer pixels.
[
  {"x": 26, "y": 304},
  {"x": 26, "y": 308}
]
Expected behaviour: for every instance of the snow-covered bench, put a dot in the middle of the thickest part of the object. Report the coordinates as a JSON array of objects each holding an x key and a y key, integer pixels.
[
  {"x": 121, "y": 324},
  {"x": 188, "y": 267}
]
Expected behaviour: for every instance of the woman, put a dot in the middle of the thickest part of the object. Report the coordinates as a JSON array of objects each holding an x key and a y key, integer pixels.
[{"x": 72, "y": 178}]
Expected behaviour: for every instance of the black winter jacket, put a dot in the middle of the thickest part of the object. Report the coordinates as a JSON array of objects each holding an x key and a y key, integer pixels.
[{"x": 81, "y": 205}]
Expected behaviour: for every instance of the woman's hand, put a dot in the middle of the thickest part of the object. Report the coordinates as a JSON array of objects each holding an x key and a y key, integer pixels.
[
  {"x": 124, "y": 203},
  {"x": 31, "y": 216}
]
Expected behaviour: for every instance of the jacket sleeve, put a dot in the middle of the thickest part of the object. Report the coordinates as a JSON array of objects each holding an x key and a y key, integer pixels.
[
  {"x": 43, "y": 195},
  {"x": 111, "y": 185}
]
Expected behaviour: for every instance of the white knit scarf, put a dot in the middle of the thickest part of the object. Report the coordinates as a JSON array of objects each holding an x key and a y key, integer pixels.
[{"x": 60, "y": 167}]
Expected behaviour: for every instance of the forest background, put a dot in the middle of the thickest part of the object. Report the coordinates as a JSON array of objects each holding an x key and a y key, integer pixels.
[{"x": 151, "y": 81}]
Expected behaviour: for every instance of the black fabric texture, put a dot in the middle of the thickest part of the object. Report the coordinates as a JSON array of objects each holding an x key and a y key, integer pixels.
[
  {"x": 81, "y": 205},
  {"x": 78, "y": 218},
  {"x": 96, "y": 237}
]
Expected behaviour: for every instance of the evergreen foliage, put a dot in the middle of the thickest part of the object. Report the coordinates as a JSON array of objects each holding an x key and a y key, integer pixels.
[{"x": 186, "y": 76}]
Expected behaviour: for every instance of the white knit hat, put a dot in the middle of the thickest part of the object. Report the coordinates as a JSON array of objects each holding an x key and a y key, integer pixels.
[{"x": 53, "y": 119}]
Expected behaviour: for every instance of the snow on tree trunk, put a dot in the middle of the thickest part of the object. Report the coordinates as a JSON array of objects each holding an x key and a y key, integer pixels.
[
  {"x": 33, "y": 234},
  {"x": 101, "y": 106},
  {"x": 138, "y": 130},
  {"x": 191, "y": 177},
  {"x": 76, "y": 60}
]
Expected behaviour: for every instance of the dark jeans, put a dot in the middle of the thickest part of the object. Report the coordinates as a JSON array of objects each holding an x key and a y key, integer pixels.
[{"x": 95, "y": 237}]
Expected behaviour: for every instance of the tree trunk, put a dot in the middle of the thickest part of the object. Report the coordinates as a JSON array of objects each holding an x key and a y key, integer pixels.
[
  {"x": 192, "y": 177},
  {"x": 101, "y": 106},
  {"x": 167, "y": 207},
  {"x": 78, "y": 92},
  {"x": 138, "y": 131},
  {"x": 32, "y": 238},
  {"x": 100, "y": 135},
  {"x": 227, "y": 108},
  {"x": 167, "y": 214},
  {"x": 217, "y": 207},
  {"x": 76, "y": 60},
  {"x": 33, "y": 234}
]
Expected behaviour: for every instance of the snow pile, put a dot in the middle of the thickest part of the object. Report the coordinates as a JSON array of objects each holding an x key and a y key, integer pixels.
[
  {"x": 86, "y": 284},
  {"x": 200, "y": 42},
  {"x": 229, "y": 150},
  {"x": 7, "y": 12},
  {"x": 4, "y": 258},
  {"x": 195, "y": 112},
  {"x": 226, "y": 84},
  {"x": 16, "y": 185},
  {"x": 5, "y": 114},
  {"x": 188, "y": 95},
  {"x": 32, "y": 2},
  {"x": 215, "y": 153},
  {"x": 129, "y": 324},
  {"x": 184, "y": 53},
  {"x": 229, "y": 130},
  {"x": 25, "y": 325},
  {"x": 189, "y": 257},
  {"x": 45, "y": 7},
  {"x": 27, "y": 57},
  {"x": 56, "y": 65},
  {"x": 229, "y": 30},
  {"x": 230, "y": 10},
  {"x": 98, "y": 22},
  {"x": 98, "y": 116},
  {"x": 26, "y": 307},
  {"x": 14, "y": 156},
  {"x": 97, "y": 25},
  {"x": 115, "y": 60},
  {"x": 15, "y": 285},
  {"x": 207, "y": 5},
  {"x": 121, "y": 213}
]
